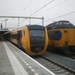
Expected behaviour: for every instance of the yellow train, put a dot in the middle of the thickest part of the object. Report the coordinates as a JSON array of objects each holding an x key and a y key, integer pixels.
[
  {"x": 32, "y": 38},
  {"x": 62, "y": 36}
]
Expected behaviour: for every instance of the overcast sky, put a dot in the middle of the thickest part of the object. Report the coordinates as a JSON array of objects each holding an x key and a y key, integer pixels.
[{"x": 51, "y": 10}]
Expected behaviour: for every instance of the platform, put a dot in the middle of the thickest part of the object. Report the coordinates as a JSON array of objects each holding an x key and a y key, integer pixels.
[{"x": 15, "y": 62}]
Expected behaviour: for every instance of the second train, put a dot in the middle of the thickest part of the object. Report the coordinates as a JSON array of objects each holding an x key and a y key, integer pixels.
[{"x": 62, "y": 36}]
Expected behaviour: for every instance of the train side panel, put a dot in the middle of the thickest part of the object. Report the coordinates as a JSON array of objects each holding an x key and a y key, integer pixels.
[
  {"x": 55, "y": 37},
  {"x": 72, "y": 37},
  {"x": 46, "y": 41},
  {"x": 25, "y": 41},
  {"x": 13, "y": 37},
  {"x": 62, "y": 36},
  {"x": 65, "y": 40}
]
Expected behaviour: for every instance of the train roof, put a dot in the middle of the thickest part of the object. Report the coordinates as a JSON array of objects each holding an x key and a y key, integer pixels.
[
  {"x": 35, "y": 27},
  {"x": 60, "y": 24}
]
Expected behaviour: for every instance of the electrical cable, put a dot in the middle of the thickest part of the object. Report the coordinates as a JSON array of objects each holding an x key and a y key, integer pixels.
[
  {"x": 38, "y": 9},
  {"x": 27, "y": 6},
  {"x": 41, "y": 7},
  {"x": 53, "y": 7},
  {"x": 61, "y": 16}
]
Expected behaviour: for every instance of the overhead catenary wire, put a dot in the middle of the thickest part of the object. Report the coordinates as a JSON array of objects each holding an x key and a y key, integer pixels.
[
  {"x": 48, "y": 9},
  {"x": 58, "y": 16},
  {"x": 41, "y": 7},
  {"x": 61, "y": 16},
  {"x": 26, "y": 6},
  {"x": 24, "y": 9},
  {"x": 53, "y": 7},
  {"x": 37, "y": 10}
]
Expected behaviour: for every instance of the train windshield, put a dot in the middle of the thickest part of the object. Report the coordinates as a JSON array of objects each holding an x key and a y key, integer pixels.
[{"x": 37, "y": 33}]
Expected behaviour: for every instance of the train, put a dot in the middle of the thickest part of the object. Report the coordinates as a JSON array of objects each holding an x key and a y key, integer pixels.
[
  {"x": 62, "y": 36},
  {"x": 33, "y": 39}
]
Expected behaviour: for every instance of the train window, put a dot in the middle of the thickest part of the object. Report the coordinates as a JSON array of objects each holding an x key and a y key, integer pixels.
[
  {"x": 55, "y": 35},
  {"x": 51, "y": 35},
  {"x": 60, "y": 23},
  {"x": 24, "y": 33},
  {"x": 66, "y": 22},
  {"x": 19, "y": 34},
  {"x": 57, "y": 23},
  {"x": 14, "y": 36},
  {"x": 37, "y": 33}
]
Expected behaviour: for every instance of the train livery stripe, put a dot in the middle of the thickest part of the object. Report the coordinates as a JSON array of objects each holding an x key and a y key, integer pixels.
[{"x": 17, "y": 67}]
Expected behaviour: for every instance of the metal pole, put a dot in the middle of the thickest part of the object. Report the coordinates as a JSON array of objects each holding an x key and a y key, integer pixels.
[
  {"x": 6, "y": 23},
  {"x": 43, "y": 21},
  {"x": 18, "y": 22},
  {"x": 29, "y": 21},
  {"x": 1, "y": 26},
  {"x": 22, "y": 17}
]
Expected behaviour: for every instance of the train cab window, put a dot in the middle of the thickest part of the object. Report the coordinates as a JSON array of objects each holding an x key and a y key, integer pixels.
[{"x": 37, "y": 33}]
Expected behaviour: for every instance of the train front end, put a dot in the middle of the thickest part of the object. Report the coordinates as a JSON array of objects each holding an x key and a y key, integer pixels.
[{"x": 38, "y": 39}]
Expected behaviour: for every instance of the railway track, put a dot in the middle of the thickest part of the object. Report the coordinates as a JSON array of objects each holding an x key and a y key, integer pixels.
[
  {"x": 71, "y": 56},
  {"x": 53, "y": 62}
]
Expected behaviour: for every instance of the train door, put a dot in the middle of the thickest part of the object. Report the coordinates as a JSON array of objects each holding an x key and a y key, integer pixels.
[
  {"x": 51, "y": 37},
  {"x": 66, "y": 36},
  {"x": 19, "y": 34}
]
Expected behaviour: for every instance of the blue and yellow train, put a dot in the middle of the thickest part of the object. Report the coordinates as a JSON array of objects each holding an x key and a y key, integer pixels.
[
  {"x": 33, "y": 39},
  {"x": 62, "y": 36}
]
